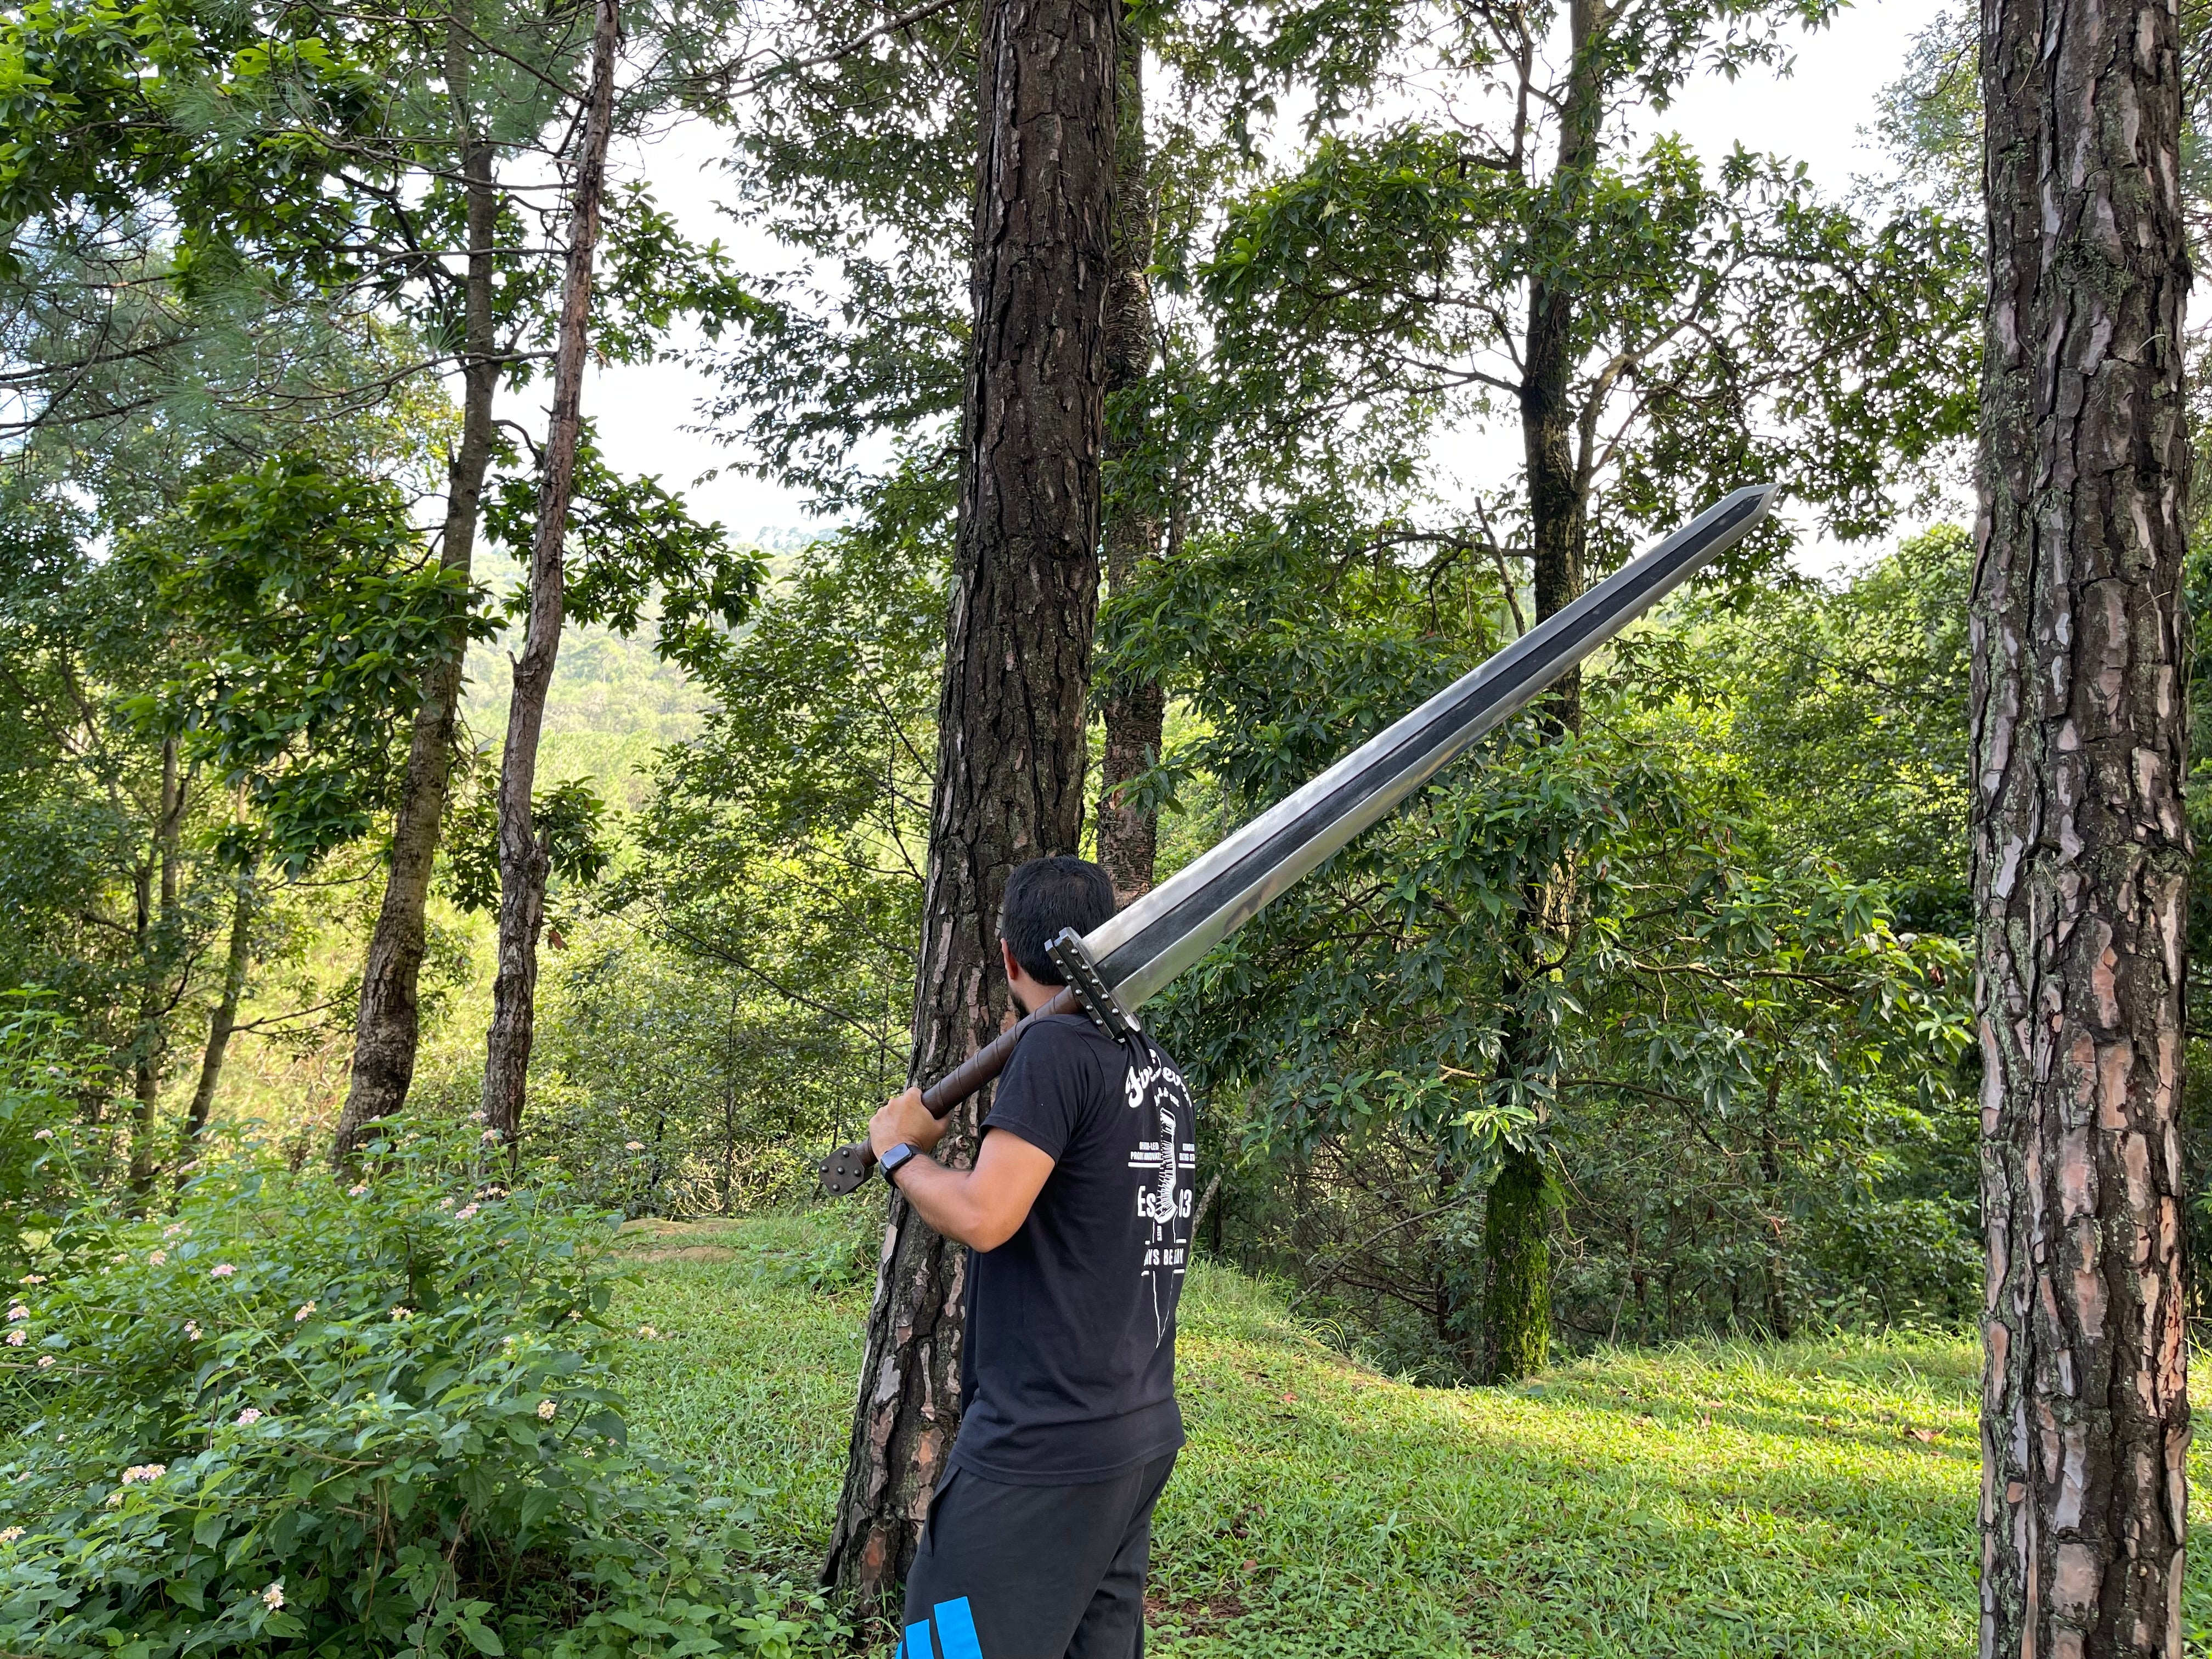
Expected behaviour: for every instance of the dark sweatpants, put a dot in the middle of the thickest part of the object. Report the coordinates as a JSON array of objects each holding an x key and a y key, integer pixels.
[{"x": 1034, "y": 1572}]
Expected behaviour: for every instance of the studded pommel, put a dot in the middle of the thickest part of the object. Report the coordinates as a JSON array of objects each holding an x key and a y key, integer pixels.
[{"x": 844, "y": 1169}]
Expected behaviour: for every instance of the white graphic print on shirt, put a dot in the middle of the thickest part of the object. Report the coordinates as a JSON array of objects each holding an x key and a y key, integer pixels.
[{"x": 1155, "y": 1088}]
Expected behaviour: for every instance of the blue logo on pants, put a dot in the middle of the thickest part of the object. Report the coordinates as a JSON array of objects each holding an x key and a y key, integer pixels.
[{"x": 956, "y": 1634}]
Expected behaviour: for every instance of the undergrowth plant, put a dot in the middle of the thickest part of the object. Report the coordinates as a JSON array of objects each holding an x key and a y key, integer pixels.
[{"x": 362, "y": 1414}]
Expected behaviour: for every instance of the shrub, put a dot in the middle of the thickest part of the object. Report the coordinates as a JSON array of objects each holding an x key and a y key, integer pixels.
[
  {"x": 1908, "y": 1263},
  {"x": 305, "y": 1416}
]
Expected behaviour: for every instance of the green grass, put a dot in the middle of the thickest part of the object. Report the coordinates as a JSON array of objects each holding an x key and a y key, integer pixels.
[{"x": 1723, "y": 1499}]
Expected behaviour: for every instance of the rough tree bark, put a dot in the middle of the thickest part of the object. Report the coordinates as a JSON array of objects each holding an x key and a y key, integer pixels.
[
  {"x": 1517, "y": 1300},
  {"x": 1135, "y": 709},
  {"x": 2081, "y": 851},
  {"x": 524, "y": 859},
  {"x": 1011, "y": 721},
  {"x": 389, "y": 1022}
]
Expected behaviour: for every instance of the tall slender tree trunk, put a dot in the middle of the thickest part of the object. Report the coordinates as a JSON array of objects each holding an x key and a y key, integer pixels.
[
  {"x": 157, "y": 925},
  {"x": 237, "y": 960},
  {"x": 1517, "y": 1304},
  {"x": 1558, "y": 503},
  {"x": 2081, "y": 849},
  {"x": 524, "y": 859},
  {"x": 1011, "y": 722},
  {"x": 388, "y": 1025},
  {"x": 1135, "y": 710}
]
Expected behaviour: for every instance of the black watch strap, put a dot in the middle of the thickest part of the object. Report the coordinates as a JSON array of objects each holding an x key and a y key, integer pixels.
[{"x": 896, "y": 1160}]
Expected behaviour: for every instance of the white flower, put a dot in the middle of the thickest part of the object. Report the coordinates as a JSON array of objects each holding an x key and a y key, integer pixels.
[
  {"x": 115, "y": 1497},
  {"x": 46, "y": 1360},
  {"x": 545, "y": 1410},
  {"x": 506, "y": 1341},
  {"x": 573, "y": 1313},
  {"x": 633, "y": 1145},
  {"x": 42, "y": 1134},
  {"x": 221, "y": 1270},
  {"x": 305, "y": 1308},
  {"x": 172, "y": 1231},
  {"x": 9, "y": 1534},
  {"x": 356, "y": 1191},
  {"x": 647, "y": 1332},
  {"x": 16, "y": 1311},
  {"x": 192, "y": 1330},
  {"x": 157, "y": 1258},
  {"x": 146, "y": 1471},
  {"x": 402, "y": 1313},
  {"x": 476, "y": 1117},
  {"x": 273, "y": 1597},
  {"x": 466, "y": 1212},
  {"x": 33, "y": 1279},
  {"x": 490, "y": 1136},
  {"x": 16, "y": 1338},
  {"x": 445, "y": 1203},
  {"x": 249, "y": 1417}
]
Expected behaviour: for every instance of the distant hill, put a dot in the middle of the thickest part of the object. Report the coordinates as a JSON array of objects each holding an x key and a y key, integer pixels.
[{"x": 615, "y": 705}]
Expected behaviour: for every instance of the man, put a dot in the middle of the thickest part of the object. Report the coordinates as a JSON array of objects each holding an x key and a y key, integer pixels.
[{"x": 1077, "y": 1215}]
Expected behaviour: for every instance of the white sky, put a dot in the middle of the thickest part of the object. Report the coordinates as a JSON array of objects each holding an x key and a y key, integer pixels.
[{"x": 1821, "y": 115}]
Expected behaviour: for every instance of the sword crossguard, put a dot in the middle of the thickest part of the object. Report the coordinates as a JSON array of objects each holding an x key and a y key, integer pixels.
[{"x": 1080, "y": 970}]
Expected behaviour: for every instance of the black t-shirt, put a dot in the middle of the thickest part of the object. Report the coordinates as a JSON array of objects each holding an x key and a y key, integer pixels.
[{"x": 1069, "y": 1372}]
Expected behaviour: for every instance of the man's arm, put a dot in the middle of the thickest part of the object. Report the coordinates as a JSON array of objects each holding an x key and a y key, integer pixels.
[{"x": 981, "y": 1207}]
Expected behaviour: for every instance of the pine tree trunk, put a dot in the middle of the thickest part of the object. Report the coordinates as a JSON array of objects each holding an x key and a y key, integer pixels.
[
  {"x": 388, "y": 1025},
  {"x": 524, "y": 860},
  {"x": 1135, "y": 709},
  {"x": 1011, "y": 721},
  {"x": 224, "y": 1020},
  {"x": 2081, "y": 849}
]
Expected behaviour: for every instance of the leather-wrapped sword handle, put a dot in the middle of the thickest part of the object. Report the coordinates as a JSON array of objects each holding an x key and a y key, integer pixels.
[{"x": 844, "y": 1169}]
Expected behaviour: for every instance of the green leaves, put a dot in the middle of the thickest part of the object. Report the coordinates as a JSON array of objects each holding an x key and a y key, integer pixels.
[
  {"x": 357, "y": 1419},
  {"x": 1724, "y": 324},
  {"x": 310, "y": 608},
  {"x": 633, "y": 546},
  {"x": 1667, "y": 957},
  {"x": 569, "y": 821}
]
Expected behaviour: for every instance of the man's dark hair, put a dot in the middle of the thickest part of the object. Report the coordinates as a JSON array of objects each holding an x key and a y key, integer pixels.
[{"x": 1043, "y": 897}]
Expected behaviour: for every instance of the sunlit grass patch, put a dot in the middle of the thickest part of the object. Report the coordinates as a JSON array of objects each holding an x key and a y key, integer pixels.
[
  {"x": 1812, "y": 1498},
  {"x": 1733, "y": 1498},
  {"x": 748, "y": 1380}
]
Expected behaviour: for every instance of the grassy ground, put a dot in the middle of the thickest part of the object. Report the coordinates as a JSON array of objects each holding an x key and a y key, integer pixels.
[{"x": 1735, "y": 1499}]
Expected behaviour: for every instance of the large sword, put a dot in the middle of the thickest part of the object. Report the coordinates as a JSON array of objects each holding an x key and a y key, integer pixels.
[{"x": 1126, "y": 961}]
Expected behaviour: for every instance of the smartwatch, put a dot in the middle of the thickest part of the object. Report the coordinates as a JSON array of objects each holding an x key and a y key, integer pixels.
[{"x": 895, "y": 1160}]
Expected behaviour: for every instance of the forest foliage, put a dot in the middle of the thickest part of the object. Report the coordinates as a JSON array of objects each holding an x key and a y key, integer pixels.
[
  {"x": 1696, "y": 957},
  {"x": 1733, "y": 900}
]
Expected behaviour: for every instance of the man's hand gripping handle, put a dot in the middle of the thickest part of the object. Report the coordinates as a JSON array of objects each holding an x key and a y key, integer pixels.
[{"x": 844, "y": 1169}]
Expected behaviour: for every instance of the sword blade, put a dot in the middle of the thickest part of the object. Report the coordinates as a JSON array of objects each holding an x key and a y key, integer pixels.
[{"x": 1144, "y": 946}]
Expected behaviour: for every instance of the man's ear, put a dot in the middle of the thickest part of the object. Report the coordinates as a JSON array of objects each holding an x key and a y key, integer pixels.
[{"x": 1006, "y": 961}]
